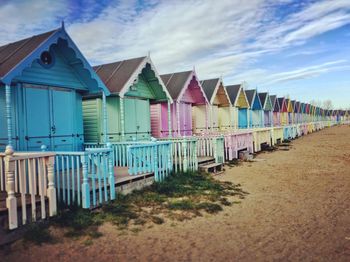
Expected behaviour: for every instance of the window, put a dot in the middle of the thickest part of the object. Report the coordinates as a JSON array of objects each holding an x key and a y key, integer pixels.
[{"x": 46, "y": 59}]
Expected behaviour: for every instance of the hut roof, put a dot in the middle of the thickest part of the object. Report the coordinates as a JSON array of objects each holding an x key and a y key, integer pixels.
[
  {"x": 209, "y": 87},
  {"x": 275, "y": 105},
  {"x": 177, "y": 84},
  {"x": 253, "y": 99},
  {"x": 265, "y": 101},
  {"x": 120, "y": 76},
  {"x": 233, "y": 91},
  {"x": 282, "y": 104},
  {"x": 17, "y": 56},
  {"x": 13, "y": 53},
  {"x": 215, "y": 91},
  {"x": 236, "y": 93}
]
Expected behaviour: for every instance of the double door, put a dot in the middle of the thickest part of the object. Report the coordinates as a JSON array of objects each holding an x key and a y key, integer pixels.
[
  {"x": 49, "y": 119},
  {"x": 137, "y": 119}
]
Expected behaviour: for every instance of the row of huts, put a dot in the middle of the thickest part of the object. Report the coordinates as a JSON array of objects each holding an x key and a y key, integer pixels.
[{"x": 77, "y": 134}]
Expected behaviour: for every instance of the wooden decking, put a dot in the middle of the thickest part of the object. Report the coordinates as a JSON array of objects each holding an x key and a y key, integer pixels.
[{"x": 124, "y": 183}]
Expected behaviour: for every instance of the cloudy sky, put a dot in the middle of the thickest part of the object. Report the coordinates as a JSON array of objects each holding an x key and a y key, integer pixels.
[{"x": 296, "y": 48}]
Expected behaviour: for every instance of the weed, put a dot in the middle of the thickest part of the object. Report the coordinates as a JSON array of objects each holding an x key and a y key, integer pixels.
[{"x": 38, "y": 234}]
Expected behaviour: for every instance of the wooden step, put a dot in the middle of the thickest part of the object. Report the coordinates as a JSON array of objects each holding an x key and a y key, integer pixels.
[
  {"x": 205, "y": 160},
  {"x": 213, "y": 168}
]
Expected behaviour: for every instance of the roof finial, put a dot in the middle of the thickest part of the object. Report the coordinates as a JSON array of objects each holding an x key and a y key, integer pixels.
[
  {"x": 194, "y": 68},
  {"x": 149, "y": 54},
  {"x": 62, "y": 24}
]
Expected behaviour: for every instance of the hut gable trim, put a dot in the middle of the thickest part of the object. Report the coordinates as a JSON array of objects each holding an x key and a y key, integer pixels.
[
  {"x": 252, "y": 95},
  {"x": 265, "y": 101},
  {"x": 275, "y": 104},
  {"x": 17, "y": 56},
  {"x": 236, "y": 93},
  {"x": 211, "y": 88},
  {"x": 120, "y": 76},
  {"x": 177, "y": 84}
]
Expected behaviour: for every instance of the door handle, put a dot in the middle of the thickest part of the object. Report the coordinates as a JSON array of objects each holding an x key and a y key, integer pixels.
[{"x": 53, "y": 129}]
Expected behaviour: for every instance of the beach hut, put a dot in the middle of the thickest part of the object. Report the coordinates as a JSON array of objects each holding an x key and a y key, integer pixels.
[
  {"x": 42, "y": 81},
  {"x": 267, "y": 109},
  {"x": 189, "y": 100},
  {"x": 240, "y": 106},
  {"x": 283, "y": 110},
  {"x": 277, "y": 135},
  {"x": 219, "y": 105},
  {"x": 256, "y": 109},
  {"x": 297, "y": 112},
  {"x": 134, "y": 85},
  {"x": 276, "y": 111},
  {"x": 290, "y": 111}
]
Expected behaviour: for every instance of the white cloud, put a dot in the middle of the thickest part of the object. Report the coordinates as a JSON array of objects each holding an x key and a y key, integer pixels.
[
  {"x": 20, "y": 19},
  {"x": 225, "y": 37}
]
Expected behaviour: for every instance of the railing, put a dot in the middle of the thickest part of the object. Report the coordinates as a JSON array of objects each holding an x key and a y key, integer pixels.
[
  {"x": 79, "y": 173},
  {"x": 31, "y": 175},
  {"x": 260, "y": 136},
  {"x": 277, "y": 134},
  {"x": 119, "y": 150},
  {"x": 211, "y": 146},
  {"x": 140, "y": 156},
  {"x": 184, "y": 153},
  {"x": 236, "y": 141},
  {"x": 150, "y": 157}
]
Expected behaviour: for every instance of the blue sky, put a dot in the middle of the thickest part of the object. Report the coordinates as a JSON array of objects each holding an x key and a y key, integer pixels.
[{"x": 296, "y": 48}]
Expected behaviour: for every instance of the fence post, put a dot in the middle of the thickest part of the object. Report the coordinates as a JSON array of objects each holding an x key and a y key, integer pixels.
[
  {"x": 184, "y": 150},
  {"x": 11, "y": 201},
  {"x": 111, "y": 172},
  {"x": 85, "y": 186},
  {"x": 51, "y": 190},
  {"x": 169, "y": 152},
  {"x": 156, "y": 170}
]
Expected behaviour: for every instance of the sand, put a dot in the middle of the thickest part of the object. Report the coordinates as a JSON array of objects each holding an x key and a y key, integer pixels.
[{"x": 298, "y": 209}]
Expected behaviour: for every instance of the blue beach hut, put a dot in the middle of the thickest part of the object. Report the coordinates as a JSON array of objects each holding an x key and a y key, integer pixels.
[
  {"x": 42, "y": 81},
  {"x": 256, "y": 110}
]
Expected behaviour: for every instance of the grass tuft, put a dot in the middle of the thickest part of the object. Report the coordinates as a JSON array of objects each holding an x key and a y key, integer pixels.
[{"x": 179, "y": 197}]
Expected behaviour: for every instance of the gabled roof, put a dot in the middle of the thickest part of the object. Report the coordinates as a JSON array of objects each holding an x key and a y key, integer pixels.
[
  {"x": 289, "y": 105},
  {"x": 297, "y": 107},
  {"x": 211, "y": 88},
  {"x": 120, "y": 76},
  {"x": 253, "y": 99},
  {"x": 235, "y": 92},
  {"x": 282, "y": 104},
  {"x": 265, "y": 101},
  {"x": 17, "y": 56},
  {"x": 293, "y": 105},
  {"x": 177, "y": 83},
  {"x": 307, "y": 108},
  {"x": 274, "y": 102}
]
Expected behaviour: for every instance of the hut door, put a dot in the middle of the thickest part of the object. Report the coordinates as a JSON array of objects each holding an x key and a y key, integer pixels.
[
  {"x": 130, "y": 118},
  {"x": 242, "y": 118},
  {"x": 143, "y": 118},
  {"x": 137, "y": 119},
  {"x": 62, "y": 124},
  {"x": 48, "y": 119},
  {"x": 38, "y": 120},
  {"x": 215, "y": 118},
  {"x": 187, "y": 119}
]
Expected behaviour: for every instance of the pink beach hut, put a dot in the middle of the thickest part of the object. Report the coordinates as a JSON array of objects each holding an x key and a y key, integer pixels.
[{"x": 188, "y": 96}]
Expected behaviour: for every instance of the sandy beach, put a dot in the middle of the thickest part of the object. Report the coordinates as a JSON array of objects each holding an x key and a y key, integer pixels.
[{"x": 298, "y": 208}]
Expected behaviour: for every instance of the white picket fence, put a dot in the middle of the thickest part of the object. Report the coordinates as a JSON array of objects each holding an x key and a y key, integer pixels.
[{"x": 31, "y": 176}]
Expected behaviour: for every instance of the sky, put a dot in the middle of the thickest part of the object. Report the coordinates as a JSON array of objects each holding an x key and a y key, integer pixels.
[{"x": 295, "y": 48}]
